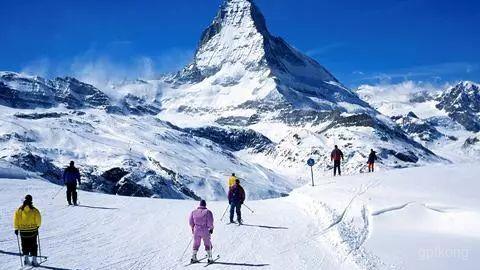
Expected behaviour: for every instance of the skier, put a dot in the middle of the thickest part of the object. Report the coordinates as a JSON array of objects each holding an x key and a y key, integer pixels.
[
  {"x": 336, "y": 157},
  {"x": 26, "y": 221},
  {"x": 236, "y": 197},
  {"x": 371, "y": 160},
  {"x": 231, "y": 180},
  {"x": 201, "y": 222},
  {"x": 70, "y": 177}
]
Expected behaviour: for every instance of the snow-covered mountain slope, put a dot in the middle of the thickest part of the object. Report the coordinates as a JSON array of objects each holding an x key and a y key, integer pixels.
[
  {"x": 134, "y": 155},
  {"x": 248, "y": 103},
  {"x": 25, "y": 92},
  {"x": 417, "y": 110},
  {"x": 29, "y": 92},
  {"x": 421, "y": 218}
]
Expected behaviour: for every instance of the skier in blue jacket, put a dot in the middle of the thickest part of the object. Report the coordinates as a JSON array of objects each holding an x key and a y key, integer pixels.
[{"x": 71, "y": 176}]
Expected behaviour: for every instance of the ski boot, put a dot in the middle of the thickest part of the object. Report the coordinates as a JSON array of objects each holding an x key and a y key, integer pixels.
[
  {"x": 35, "y": 262},
  {"x": 194, "y": 257},
  {"x": 26, "y": 261},
  {"x": 209, "y": 257}
]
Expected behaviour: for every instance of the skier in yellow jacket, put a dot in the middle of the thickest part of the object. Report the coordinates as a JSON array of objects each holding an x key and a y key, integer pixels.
[
  {"x": 232, "y": 180},
  {"x": 27, "y": 220}
]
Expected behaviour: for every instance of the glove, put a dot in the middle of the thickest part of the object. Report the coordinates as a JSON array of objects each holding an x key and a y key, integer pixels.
[
  {"x": 210, "y": 231},
  {"x": 241, "y": 202},
  {"x": 16, "y": 232}
]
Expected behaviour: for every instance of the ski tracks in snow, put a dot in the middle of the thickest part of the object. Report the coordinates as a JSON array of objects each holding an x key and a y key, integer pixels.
[{"x": 346, "y": 232}]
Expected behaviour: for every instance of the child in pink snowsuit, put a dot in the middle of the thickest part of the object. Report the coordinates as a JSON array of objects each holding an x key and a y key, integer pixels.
[{"x": 201, "y": 221}]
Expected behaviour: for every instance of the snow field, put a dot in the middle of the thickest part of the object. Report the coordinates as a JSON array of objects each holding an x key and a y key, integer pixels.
[{"x": 421, "y": 218}]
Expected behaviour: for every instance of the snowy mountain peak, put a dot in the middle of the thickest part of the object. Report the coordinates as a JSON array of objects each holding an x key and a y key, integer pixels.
[
  {"x": 239, "y": 34},
  {"x": 236, "y": 35},
  {"x": 237, "y": 49}
]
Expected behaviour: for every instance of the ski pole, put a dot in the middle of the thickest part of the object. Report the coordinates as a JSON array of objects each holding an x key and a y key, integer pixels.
[
  {"x": 19, "y": 251},
  {"x": 185, "y": 251},
  {"x": 224, "y": 213},
  {"x": 58, "y": 192},
  {"x": 39, "y": 246},
  {"x": 249, "y": 208}
]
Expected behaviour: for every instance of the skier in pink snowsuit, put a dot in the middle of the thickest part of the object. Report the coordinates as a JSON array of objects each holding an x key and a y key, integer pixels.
[{"x": 201, "y": 222}]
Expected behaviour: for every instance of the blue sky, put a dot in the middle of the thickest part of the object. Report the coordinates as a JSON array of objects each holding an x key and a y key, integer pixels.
[{"x": 358, "y": 41}]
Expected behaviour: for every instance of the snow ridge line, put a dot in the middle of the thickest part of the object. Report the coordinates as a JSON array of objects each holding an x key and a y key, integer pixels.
[
  {"x": 390, "y": 209},
  {"x": 403, "y": 206}
]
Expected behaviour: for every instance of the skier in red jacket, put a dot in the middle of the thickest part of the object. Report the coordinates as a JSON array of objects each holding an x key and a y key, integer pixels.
[{"x": 337, "y": 157}]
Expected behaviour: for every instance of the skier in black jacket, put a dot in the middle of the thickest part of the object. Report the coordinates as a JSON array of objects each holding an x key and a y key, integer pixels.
[
  {"x": 371, "y": 160},
  {"x": 71, "y": 176}
]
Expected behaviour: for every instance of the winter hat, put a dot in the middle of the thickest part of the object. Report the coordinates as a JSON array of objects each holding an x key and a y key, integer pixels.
[
  {"x": 27, "y": 202},
  {"x": 203, "y": 203}
]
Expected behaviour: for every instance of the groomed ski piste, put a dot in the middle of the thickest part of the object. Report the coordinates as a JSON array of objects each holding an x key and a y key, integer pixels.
[{"x": 417, "y": 218}]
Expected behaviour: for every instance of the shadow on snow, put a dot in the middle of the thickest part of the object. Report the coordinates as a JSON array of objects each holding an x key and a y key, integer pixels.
[
  {"x": 96, "y": 207},
  {"x": 41, "y": 266},
  {"x": 242, "y": 264},
  {"x": 266, "y": 227}
]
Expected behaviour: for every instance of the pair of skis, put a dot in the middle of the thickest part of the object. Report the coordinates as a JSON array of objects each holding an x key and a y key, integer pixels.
[{"x": 202, "y": 259}]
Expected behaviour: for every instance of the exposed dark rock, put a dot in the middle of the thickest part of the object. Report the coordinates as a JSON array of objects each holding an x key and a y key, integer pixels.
[
  {"x": 462, "y": 103},
  {"x": 415, "y": 127},
  {"x": 114, "y": 175},
  {"x": 412, "y": 115},
  {"x": 139, "y": 106},
  {"x": 235, "y": 139},
  {"x": 26, "y": 138},
  {"x": 405, "y": 157},
  {"x": 43, "y": 166},
  {"x": 36, "y": 116},
  {"x": 471, "y": 141},
  {"x": 127, "y": 187}
]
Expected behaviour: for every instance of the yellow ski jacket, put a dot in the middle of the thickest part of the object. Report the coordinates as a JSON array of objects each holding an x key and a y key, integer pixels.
[
  {"x": 27, "y": 219},
  {"x": 231, "y": 181}
]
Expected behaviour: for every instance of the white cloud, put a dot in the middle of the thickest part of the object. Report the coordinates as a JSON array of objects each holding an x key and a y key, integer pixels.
[
  {"x": 38, "y": 67},
  {"x": 432, "y": 72},
  {"x": 101, "y": 69}
]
